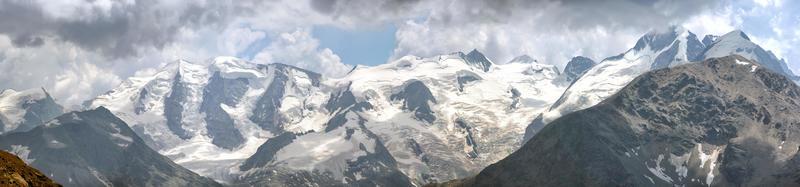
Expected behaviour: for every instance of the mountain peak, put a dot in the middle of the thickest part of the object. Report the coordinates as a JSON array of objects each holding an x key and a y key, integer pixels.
[
  {"x": 576, "y": 67},
  {"x": 478, "y": 60},
  {"x": 474, "y": 51},
  {"x": 525, "y": 59},
  {"x": 736, "y": 34},
  {"x": 737, "y": 42},
  {"x": 176, "y": 64},
  {"x": 659, "y": 38}
]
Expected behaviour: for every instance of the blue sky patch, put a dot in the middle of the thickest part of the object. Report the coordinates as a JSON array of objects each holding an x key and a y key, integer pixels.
[{"x": 368, "y": 46}]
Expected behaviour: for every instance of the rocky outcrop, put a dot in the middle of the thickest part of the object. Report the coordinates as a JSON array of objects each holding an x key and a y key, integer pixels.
[
  {"x": 417, "y": 97},
  {"x": 576, "y": 67},
  {"x": 477, "y": 60}
]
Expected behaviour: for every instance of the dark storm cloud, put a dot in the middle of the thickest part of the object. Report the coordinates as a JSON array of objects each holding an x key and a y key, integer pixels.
[
  {"x": 123, "y": 29},
  {"x": 570, "y": 13},
  {"x": 27, "y": 41},
  {"x": 117, "y": 32},
  {"x": 367, "y": 11},
  {"x": 19, "y": 21}
]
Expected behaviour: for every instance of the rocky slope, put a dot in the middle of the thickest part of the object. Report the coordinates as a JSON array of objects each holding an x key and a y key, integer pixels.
[
  {"x": 23, "y": 110},
  {"x": 723, "y": 122},
  {"x": 655, "y": 50},
  {"x": 14, "y": 172},
  {"x": 95, "y": 148}
]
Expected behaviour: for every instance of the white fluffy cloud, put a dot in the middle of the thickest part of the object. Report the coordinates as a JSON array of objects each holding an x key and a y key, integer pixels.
[
  {"x": 299, "y": 49},
  {"x": 66, "y": 71},
  {"x": 502, "y": 42}
]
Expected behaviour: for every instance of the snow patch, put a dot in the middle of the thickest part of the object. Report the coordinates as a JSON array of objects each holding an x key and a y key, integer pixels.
[
  {"x": 100, "y": 177},
  {"x": 658, "y": 171},
  {"x": 55, "y": 144},
  {"x": 742, "y": 62},
  {"x": 648, "y": 178},
  {"x": 118, "y": 138},
  {"x": 712, "y": 159},
  {"x": 52, "y": 123},
  {"x": 681, "y": 164},
  {"x": 23, "y": 152}
]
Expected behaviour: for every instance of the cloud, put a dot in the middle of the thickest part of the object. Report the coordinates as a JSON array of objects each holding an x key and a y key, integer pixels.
[
  {"x": 551, "y": 31},
  {"x": 65, "y": 70},
  {"x": 74, "y": 44},
  {"x": 113, "y": 28},
  {"x": 368, "y": 12},
  {"x": 300, "y": 49},
  {"x": 90, "y": 46}
]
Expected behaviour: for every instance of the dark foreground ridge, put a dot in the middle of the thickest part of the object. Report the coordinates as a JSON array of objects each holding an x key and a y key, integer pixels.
[{"x": 14, "y": 172}]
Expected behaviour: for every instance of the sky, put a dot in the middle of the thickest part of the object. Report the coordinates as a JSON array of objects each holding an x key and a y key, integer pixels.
[{"x": 78, "y": 49}]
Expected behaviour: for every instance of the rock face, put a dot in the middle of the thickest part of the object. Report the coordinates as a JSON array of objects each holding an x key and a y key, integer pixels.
[
  {"x": 21, "y": 111},
  {"x": 576, "y": 67},
  {"x": 722, "y": 122},
  {"x": 476, "y": 59},
  {"x": 221, "y": 91},
  {"x": 95, "y": 148},
  {"x": 416, "y": 97},
  {"x": 14, "y": 172}
]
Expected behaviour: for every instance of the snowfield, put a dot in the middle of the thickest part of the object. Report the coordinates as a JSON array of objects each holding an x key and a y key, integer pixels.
[{"x": 479, "y": 110}]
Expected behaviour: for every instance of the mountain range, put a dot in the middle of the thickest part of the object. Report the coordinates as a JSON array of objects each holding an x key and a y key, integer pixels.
[{"x": 421, "y": 120}]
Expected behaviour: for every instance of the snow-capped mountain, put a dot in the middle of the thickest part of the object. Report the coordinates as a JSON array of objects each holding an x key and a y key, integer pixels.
[
  {"x": 738, "y": 43},
  {"x": 23, "y": 110},
  {"x": 209, "y": 117},
  {"x": 426, "y": 119},
  {"x": 439, "y": 118},
  {"x": 655, "y": 50},
  {"x": 408, "y": 122},
  {"x": 689, "y": 125},
  {"x": 95, "y": 148}
]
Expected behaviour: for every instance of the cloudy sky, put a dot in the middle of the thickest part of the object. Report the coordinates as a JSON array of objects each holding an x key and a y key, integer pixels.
[{"x": 77, "y": 49}]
